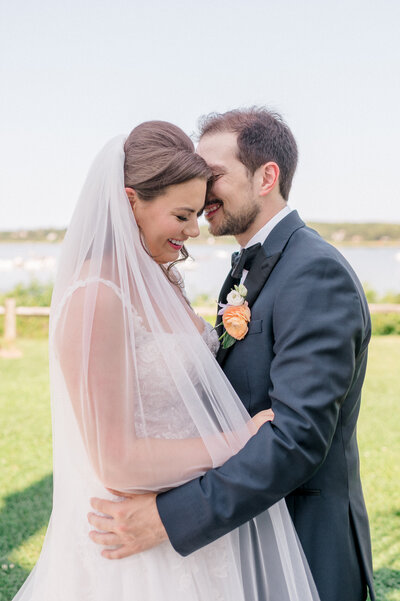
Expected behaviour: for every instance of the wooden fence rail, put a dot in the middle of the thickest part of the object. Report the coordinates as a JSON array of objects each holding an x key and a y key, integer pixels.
[
  {"x": 384, "y": 308},
  {"x": 10, "y": 310}
]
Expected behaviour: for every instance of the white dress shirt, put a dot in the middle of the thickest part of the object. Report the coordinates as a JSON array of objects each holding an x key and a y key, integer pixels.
[{"x": 264, "y": 232}]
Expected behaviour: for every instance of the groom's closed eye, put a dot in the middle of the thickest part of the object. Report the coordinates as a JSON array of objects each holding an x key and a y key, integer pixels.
[{"x": 217, "y": 170}]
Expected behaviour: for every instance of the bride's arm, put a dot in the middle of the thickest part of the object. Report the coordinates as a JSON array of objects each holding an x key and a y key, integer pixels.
[
  {"x": 100, "y": 375},
  {"x": 99, "y": 371},
  {"x": 160, "y": 459}
]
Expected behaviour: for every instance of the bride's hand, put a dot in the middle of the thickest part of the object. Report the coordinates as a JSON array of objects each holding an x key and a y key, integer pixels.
[{"x": 261, "y": 417}]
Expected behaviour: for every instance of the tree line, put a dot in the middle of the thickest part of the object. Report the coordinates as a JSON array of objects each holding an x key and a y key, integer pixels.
[{"x": 336, "y": 233}]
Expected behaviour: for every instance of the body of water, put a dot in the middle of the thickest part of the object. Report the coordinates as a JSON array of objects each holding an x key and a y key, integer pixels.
[
  {"x": 204, "y": 273},
  {"x": 377, "y": 267}
]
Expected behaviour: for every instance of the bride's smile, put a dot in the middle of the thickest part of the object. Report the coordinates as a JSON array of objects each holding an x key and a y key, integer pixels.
[{"x": 168, "y": 220}]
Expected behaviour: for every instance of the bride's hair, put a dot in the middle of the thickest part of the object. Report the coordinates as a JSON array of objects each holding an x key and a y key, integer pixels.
[{"x": 159, "y": 154}]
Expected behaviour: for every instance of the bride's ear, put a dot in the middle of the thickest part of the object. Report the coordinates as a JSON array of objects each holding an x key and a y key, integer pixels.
[{"x": 132, "y": 197}]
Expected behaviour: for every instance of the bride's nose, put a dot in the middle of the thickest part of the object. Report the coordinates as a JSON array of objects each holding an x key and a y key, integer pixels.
[{"x": 192, "y": 228}]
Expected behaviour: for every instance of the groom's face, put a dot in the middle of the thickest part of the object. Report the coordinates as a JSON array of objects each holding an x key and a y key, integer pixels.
[{"x": 232, "y": 204}]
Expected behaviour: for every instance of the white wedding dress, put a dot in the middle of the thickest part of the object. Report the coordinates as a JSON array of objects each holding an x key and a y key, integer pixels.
[{"x": 71, "y": 568}]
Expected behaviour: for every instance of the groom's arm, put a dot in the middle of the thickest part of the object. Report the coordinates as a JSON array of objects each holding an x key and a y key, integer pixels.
[{"x": 319, "y": 330}]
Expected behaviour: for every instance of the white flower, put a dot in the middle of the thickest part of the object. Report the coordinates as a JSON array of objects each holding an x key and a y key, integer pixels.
[{"x": 234, "y": 298}]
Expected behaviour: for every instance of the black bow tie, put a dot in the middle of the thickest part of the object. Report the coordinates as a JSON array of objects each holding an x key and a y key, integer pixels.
[{"x": 243, "y": 260}]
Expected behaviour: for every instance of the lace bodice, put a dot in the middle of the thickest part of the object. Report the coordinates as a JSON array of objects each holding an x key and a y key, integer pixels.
[
  {"x": 210, "y": 337},
  {"x": 163, "y": 416}
]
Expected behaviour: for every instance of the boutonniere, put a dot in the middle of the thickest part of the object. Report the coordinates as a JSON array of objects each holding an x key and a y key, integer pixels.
[{"x": 235, "y": 316}]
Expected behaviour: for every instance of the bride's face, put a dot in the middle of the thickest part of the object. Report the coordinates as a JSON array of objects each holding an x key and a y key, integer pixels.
[{"x": 169, "y": 220}]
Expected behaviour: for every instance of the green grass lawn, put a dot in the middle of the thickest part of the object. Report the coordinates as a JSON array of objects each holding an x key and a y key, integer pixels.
[{"x": 25, "y": 460}]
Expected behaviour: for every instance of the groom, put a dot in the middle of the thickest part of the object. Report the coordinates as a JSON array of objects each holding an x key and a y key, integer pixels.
[{"x": 304, "y": 355}]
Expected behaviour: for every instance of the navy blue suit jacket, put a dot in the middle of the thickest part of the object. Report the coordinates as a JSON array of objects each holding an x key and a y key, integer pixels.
[{"x": 305, "y": 356}]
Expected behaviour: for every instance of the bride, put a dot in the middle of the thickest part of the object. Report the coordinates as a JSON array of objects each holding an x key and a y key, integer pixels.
[{"x": 139, "y": 402}]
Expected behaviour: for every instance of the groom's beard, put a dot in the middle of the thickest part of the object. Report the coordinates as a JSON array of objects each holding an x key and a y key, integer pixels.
[{"x": 234, "y": 225}]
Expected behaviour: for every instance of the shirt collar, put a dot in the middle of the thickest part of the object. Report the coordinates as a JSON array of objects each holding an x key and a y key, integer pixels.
[{"x": 266, "y": 229}]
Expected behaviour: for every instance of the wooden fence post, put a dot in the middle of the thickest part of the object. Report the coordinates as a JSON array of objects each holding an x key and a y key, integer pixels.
[{"x": 10, "y": 320}]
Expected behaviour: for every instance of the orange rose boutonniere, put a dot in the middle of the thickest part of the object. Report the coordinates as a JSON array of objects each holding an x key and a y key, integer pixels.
[{"x": 235, "y": 316}]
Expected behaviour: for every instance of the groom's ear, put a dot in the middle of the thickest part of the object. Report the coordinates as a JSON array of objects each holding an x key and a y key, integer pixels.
[{"x": 268, "y": 177}]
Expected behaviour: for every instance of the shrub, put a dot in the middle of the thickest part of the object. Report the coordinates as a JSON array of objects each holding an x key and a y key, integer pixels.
[
  {"x": 391, "y": 297},
  {"x": 370, "y": 293},
  {"x": 34, "y": 294},
  {"x": 29, "y": 326},
  {"x": 384, "y": 324}
]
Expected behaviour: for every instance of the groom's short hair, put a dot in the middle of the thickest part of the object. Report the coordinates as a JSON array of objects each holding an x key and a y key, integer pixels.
[{"x": 262, "y": 136}]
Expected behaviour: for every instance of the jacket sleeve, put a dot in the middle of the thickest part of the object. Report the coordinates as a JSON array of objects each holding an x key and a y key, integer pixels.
[{"x": 320, "y": 326}]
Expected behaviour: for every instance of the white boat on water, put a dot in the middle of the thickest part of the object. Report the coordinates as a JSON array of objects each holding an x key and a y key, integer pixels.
[{"x": 28, "y": 264}]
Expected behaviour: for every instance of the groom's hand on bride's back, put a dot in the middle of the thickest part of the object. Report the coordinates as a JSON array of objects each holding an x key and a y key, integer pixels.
[{"x": 130, "y": 526}]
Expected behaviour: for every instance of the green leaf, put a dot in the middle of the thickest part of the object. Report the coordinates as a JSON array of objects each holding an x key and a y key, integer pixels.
[{"x": 228, "y": 340}]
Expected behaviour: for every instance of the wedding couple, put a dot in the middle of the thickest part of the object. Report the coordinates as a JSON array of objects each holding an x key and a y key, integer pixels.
[{"x": 206, "y": 484}]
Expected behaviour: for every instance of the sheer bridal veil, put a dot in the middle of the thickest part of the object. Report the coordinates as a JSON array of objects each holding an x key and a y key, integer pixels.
[{"x": 139, "y": 402}]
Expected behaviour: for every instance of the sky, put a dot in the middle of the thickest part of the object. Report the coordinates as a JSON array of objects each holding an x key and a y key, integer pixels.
[{"x": 74, "y": 74}]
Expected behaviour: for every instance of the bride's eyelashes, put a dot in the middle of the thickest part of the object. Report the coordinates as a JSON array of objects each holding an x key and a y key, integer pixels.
[{"x": 183, "y": 218}]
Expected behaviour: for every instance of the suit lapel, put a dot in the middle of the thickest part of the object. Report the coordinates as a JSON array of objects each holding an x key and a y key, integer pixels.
[
  {"x": 263, "y": 264},
  {"x": 259, "y": 273},
  {"x": 225, "y": 290}
]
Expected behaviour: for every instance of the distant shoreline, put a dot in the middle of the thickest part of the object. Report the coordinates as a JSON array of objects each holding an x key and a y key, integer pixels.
[
  {"x": 374, "y": 235},
  {"x": 223, "y": 241},
  {"x": 228, "y": 241}
]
